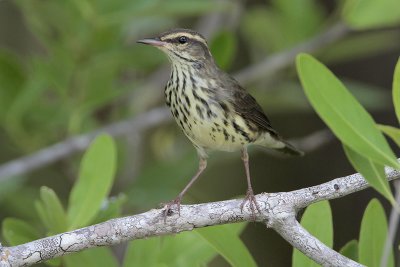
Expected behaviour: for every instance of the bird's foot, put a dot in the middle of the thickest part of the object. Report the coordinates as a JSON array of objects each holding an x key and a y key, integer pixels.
[
  {"x": 253, "y": 204},
  {"x": 167, "y": 211}
]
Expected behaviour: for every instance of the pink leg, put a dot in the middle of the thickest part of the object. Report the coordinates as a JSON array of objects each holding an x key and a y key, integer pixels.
[
  {"x": 177, "y": 200},
  {"x": 249, "y": 194}
]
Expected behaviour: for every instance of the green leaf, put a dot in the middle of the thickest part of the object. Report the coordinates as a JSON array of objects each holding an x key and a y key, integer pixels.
[
  {"x": 366, "y": 14},
  {"x": 51, "y": 211},
  {"x": 225, "y": 240},
  {"x": 43, "y": 216},
  {"x": 223, "y": 47},
  {"x": 373, "y": 234},
  {"x": 392, "y": 132},
  {"x": 53, "y": 262},
  {"x": 18, "y": 232},
  {"x": 99, "y": 257},
  {"x": 144, "y": 252},
  {"x": 350, "y": 250},
  {"x": 317, "y": 219},
  {"x": 373, "y": 172},
  {"x": 168, "y": 250},
  {"x": 342, "y": 112},
  {"x": 197, "y": 250},
  {"x": 96, "y": 176},
  {"x": 396, "y": 89}
]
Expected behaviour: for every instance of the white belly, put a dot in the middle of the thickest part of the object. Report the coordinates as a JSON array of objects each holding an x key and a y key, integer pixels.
[{"x": 216, "y": 132}]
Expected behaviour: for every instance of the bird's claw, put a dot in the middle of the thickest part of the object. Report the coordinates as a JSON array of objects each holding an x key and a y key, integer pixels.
[
  {"x": 253, "y": 204},
  {"x": 167, "y": 210}
]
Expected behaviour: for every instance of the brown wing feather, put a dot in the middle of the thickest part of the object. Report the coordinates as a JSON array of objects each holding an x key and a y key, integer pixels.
[
  {"x": 243, "y": 103},
  {"x": 247, "y": 107}
]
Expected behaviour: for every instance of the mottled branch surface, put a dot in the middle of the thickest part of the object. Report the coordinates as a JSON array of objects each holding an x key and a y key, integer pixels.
[{"x": 278, "y": 211}]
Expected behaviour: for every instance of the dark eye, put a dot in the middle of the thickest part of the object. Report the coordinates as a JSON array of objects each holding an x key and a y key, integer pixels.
[{"x": 182, "y": 39}]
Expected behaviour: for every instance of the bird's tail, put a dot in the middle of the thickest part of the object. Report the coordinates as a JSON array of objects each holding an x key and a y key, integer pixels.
[
  {"x": 278, "y": 144},
  {"x": 289, "y": 149}
]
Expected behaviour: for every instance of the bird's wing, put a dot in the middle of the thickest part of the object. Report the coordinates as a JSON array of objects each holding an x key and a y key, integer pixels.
[{"x": 245, "y": 105}]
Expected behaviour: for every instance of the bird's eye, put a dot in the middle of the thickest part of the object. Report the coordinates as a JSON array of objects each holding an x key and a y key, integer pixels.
[{"x": 182, "y": 39}]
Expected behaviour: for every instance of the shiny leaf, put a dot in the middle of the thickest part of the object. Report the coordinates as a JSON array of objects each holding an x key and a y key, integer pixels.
[
  {"x": 350, "y": 250},
  {"x": 96, "y": 176},
  {"x": 99, "y": 257},
  {"x": 373, "y": 235},
  {"x": 226, "y": 241},
  {"x": 373, "y": 172},
  {"x": 396, "y": 89},
  {"x": 317, "y": 219},
  {"x": 350, "y": 122},
  {"x": 392, "y": 132}
]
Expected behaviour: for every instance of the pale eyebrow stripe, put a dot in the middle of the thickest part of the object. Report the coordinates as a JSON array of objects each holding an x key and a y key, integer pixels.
[{"x": 194, "y": 37}]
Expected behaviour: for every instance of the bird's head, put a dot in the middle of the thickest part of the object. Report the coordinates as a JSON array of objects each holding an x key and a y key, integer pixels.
[{"x": 182, "y": 46}]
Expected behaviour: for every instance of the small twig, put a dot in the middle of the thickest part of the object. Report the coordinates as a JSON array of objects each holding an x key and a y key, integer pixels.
[{"x": 278, "y": 211}]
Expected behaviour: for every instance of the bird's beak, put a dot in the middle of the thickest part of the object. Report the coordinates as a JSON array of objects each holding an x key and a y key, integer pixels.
[{"x": 152, "y": 41}]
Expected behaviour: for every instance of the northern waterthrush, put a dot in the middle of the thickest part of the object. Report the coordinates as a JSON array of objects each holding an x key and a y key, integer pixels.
[{"x": 211, "y": 107}]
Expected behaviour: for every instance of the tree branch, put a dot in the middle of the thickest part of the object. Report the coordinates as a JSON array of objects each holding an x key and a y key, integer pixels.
[
  {"x": 278, "y": 213},
  {"x": 298, "y": 237}
]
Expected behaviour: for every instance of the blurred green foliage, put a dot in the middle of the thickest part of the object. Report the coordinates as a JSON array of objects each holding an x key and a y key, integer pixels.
[
  {"x": 85, "y": 63},
  {"x": 81, "y": 70},
  {"x": 366, "y": 14},
  {"x": 89, "y": 192},
  {"x": 284, "y": 24}
]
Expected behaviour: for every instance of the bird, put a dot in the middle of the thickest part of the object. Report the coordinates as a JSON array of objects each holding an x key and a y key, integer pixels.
[{"x": 213, "y": 110}]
